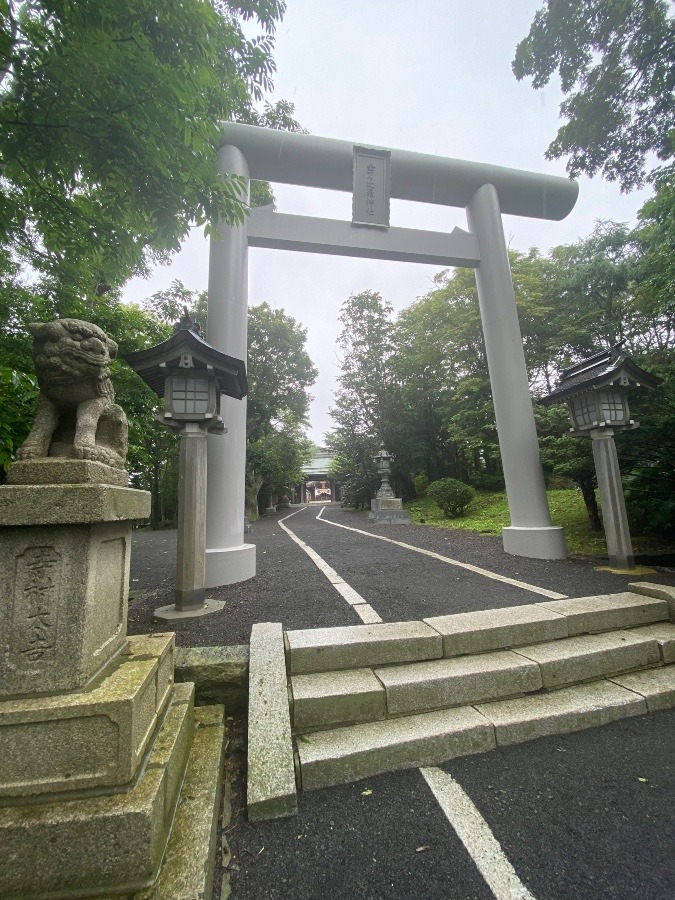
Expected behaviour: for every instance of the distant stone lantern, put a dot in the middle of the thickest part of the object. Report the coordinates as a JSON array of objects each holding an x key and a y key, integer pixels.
[
  {"x": 385, "y": 507},
  {"x": 191, "y": 376},
  {"x": 383, "y": 461},
  {"x": 596, "y": 392}
]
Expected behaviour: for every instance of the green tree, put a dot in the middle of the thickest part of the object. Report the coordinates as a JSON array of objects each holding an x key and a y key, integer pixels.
[
  {"x": 616, "y": 62},
  {"x": 109, "y": 113},
  {"x": 365, "y": 405},
  {"x": 568, "y": 457},
  {"x": 655, "y": 237},
  {"x": 274, "y": 464},
  {"x": 366, "y": 345},
  {"x": 280, "y": 373},
  {"x": 18, "y": 394},
  {"x": 446, "y": 408},
  {"x": 594, "y": 282}
]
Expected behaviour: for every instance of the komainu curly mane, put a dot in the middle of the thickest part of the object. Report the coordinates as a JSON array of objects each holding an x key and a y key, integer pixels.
[{"x": 77, "y": 415}]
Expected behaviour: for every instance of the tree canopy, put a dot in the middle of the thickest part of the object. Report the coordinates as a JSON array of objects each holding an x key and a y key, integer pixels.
[
  {"x": 419, "y": 380},
  {"x": 280, "y": 374},
  {"x": 109, "y": 119},
  {"x": 616, "y": 62}
]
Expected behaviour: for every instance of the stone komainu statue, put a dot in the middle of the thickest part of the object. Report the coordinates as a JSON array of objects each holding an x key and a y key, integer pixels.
[{"x": 77, "y": 416}]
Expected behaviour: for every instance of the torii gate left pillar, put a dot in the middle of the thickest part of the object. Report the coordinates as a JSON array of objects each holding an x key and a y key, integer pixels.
[{"x": 228, "y": 559}]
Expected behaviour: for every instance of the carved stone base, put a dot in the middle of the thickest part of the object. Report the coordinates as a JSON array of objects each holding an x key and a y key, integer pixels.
[
  {"x": 64, "y": 583},
  {"x": 92, "y": 738},
  {"x": 106, "y": 843}
]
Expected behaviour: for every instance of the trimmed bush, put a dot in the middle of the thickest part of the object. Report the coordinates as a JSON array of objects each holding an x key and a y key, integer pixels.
[{"x": 451, "y": 495}]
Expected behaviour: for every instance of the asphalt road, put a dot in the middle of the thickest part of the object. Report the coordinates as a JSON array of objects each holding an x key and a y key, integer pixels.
[
  {"x": 399, "y": 584},
  {"x": 587, "y": 815}
]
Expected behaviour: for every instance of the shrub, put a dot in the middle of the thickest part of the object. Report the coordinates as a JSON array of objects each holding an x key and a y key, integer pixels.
[
  {"x": 420, "y": 483},
  {"x": 451, "y": 495}
]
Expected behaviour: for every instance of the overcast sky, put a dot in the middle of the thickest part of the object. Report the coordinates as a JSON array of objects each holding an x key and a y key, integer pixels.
[{"x": 432, "y": 76}]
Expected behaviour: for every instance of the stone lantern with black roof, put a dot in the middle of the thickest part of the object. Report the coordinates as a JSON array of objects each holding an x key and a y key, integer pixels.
[
  {"x": 596, "y": 392},
  {"x": 191, "y": 376}
]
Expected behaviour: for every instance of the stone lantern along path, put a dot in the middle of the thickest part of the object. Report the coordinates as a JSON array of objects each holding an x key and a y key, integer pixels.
[
  {"x": 385, "y": 507},
  {"x": 109, "y": 778},
  {"x": 596, "y": 392},
  {"x": 191, "y": 377}
]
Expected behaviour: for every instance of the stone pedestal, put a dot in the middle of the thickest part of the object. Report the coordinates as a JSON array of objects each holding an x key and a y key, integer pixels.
[
  {"x": 388, "y": 511},
  {"x": 95, "y": 738}
]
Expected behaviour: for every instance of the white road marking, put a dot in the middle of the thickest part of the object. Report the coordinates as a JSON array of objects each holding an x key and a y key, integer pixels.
[
  {"x": 362, "y": 609},
  {"x": 533, "y": 588},
  {"x": 367, "y": 614},
  {"x": 475, "y": 834}
]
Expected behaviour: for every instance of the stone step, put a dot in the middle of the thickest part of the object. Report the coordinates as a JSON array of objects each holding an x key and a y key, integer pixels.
[
  {"x": 358, "y": 751},
  {"x": 334, "y": 698},
  {"x": 365, "y": 695},
  {"x": 329, "y": 649},
  {"x": 354, "y": 646},
  {"x": 341, "y": 755},
  {"x": 664, "y": 635},
  {"x": 461, "y": 681},
  {"x": 657, "y": 686},
  {"x": 498, "y": 629},
  {"x": 591, "y": 656},
  {"x": 607, "y": 612}
]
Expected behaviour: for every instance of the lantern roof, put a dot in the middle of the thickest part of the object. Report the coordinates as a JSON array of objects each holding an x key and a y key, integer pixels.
[
  {"x": 610, "y": 368},
  {"x": 188, "y": 351}
]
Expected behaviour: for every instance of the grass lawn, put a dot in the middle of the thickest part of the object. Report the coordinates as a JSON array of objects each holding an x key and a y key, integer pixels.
[{"x": 489, "y": 513}]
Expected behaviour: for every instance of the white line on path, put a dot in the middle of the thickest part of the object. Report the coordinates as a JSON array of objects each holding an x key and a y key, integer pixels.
[
  {"x": 362, "y": 609},
  {"x": 552, "y": 595},
  {"x": 475, "y": 834}
]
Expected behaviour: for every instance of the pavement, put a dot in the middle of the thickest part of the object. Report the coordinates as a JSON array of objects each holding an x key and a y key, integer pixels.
[{"x": 586, "y": 815}]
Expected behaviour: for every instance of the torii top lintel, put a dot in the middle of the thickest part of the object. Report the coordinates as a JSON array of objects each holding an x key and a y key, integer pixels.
[{"x": 305, "y": 159}]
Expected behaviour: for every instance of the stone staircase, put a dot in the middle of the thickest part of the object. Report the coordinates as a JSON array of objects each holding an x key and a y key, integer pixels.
[{"x": 369, "y": 699}]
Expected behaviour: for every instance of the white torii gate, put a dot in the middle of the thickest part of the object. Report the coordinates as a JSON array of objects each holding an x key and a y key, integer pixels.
[{"x": 485, "y": 191}]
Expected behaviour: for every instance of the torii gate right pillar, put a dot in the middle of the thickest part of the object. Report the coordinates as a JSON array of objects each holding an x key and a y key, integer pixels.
[{"x": 531, "y": 532}]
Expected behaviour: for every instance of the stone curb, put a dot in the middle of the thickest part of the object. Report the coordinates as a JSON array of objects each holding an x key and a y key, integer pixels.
[
  {"x": 219, "y": 674},
  {"x": 271, "y": 789}
]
